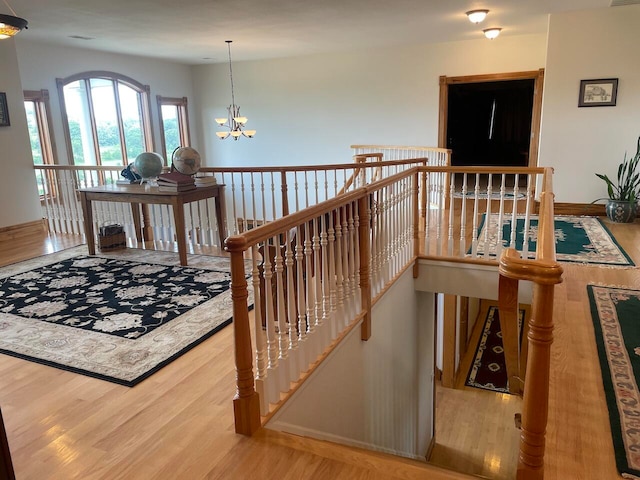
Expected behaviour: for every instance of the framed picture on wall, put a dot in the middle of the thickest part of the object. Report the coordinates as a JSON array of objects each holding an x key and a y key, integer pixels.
[
  {"x": 4, "y": 110},
  {"x": 598, "y": 92}
]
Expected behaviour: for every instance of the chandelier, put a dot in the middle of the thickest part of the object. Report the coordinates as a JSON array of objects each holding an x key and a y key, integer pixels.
[
  {"x": 234, "y": 121},
  {"x": 10, "y": 24}
]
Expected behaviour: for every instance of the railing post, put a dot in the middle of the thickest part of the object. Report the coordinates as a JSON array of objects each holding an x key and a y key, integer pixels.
[
  {"x": 535, "y": 402},
  {"x": 285, "y": 194},
  {"x": 364, "y": 238},
  {"x": 246, "y": 403}
]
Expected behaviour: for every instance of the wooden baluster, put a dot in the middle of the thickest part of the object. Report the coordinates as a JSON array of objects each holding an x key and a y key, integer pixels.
[
  {"x": 339, "y": 253},
  {"x": 318, "y": 271},
  {"x": 508, "y": 315},
  {"x": 364, "y": 262},
  {"x": 246, "y": 404},
  {"x": 514, "y": 214},
  {"x": 311, "y": 280},
  {"x": 488, "y": 221},
  {"x": 499, "y": 242},
  {"x": 474, "y": 239},
  {"x": 261, "y": 339},
  {"x": 427, "y": 221},
  {"x": 264, "y": 203},
  {"x": 351, "y": 266},
  {"x": 301, "y": 280},
  {"x": 292, "y": 316},
  {"x": 527, "y": 217},
  {"x": 242, "y": 197},
  {"x": 270, "y": 323},
  {"x": 463, "y": 217},
  {"x": 254, "y": 216},
  {"x": 285, "y": 194},
  {"x": 281, "y": 319},
  {"x": 452, "y": 189},
  {"x": 326, "y": 283},
  {"x": 331, "y": 278},
  {"x": 306, "y": 189}
]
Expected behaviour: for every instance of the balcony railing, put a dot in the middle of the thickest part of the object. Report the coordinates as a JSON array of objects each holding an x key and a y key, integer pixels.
[{"x": 316, "y": 246}]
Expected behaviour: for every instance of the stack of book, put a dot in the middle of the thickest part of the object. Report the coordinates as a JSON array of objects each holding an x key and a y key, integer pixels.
[
  {"x": 175, "y": 182},
  {"x": 205, "y": 181}
]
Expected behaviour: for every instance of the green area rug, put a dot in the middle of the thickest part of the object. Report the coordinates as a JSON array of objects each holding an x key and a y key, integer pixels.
[
  {"x": 488, "y": 370},
  {"x": 578, "y": 239},
  {"x": 119, "y": 316},
  {"x": 616, "y": 319}
]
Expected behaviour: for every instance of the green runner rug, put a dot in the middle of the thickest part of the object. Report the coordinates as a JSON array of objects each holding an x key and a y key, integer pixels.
[
  {"x": 616, "y": 319},
  {"x": 578, "y": 239}
]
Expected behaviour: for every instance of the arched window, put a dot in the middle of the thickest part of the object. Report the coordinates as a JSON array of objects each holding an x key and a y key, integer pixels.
[{"x": 106, "y": 118}]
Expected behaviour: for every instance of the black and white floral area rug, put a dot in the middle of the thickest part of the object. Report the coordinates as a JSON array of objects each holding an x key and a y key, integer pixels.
[{"x": 118, "y": 317}]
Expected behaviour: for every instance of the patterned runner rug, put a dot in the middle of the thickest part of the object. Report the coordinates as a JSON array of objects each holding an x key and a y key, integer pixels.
[
  {"x": 488, "y": 370},
  {"x": 578, "y": 239},
  {"x": 119, "y": 316},
  {"x": 616, "y": 318}
]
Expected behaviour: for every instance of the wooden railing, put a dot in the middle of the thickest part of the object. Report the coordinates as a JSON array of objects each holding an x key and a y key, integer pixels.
[
  {"x": 253, "y": 196},
  {"x": 531, "y": 363},
  {"x": 314, "y": 275}
]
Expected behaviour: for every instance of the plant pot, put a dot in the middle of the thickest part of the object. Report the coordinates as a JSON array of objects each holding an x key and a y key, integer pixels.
[{"x": 621, "y": 211}]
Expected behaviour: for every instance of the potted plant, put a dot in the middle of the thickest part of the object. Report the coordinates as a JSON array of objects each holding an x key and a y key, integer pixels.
[{"x": 623, "y": 195}]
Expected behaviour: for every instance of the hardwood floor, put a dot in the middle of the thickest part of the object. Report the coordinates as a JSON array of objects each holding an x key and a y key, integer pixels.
[{"x": 178, "y": 424}]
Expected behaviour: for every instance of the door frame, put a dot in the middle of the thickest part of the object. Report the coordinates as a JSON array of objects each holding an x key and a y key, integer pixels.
[{"x": 537, "y": 75}]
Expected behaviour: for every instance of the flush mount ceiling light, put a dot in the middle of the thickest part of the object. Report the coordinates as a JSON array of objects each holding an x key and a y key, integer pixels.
[
  {"x": 491, "y": 33},
  {"x": 10, "y": 24},
  {"x": 477, "y": 16},
  {"x": 234, "y": 121}
]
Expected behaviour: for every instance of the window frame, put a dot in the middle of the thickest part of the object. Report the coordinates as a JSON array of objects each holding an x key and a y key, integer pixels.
[
  {"x": 143, "y": 90},
  {"x": 183, "y": 122},
  {"x": 42, "y": 107}
]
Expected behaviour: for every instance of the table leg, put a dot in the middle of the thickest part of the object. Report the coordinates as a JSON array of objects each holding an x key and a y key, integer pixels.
[
  {"x": 87, "y": 215},
  {"x": 137, "y": 224},
  {"x": 220, "y": 216},
  {"x": 178, "y": 217}
]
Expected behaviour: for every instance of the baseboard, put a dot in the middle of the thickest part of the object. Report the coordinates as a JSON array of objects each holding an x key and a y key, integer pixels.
[
  {"x": 23, "y": 230},
  {"x": 591, "y": 209}
]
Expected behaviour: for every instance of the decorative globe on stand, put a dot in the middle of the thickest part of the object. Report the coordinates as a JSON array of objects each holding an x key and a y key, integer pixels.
[
  {"x": 186, "y": 160},
  {"x": 148, "y": 165}
]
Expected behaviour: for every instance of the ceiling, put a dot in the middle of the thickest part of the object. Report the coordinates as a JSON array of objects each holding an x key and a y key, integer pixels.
[{"x": 194, "y": 31}]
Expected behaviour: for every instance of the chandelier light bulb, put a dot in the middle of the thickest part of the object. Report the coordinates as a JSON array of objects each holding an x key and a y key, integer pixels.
[
  {"x": 241, "y": 120},
  {"x": 220, "y": 121},
  {"x": 491, "y": 33},
  {"x": 477, "y": 16}
]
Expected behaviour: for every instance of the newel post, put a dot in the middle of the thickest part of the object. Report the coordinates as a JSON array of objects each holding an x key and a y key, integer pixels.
[
  {"x": 246, "y": 403},
  {"x": 364, "y": 237},
  {"x": 416, "y": 221}
]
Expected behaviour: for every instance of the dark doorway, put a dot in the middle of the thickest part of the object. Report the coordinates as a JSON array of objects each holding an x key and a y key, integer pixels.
[{"x": 489, "y": 123}]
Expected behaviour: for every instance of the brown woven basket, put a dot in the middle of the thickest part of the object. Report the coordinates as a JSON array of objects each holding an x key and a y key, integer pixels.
[{"x": 111, "y": 237}]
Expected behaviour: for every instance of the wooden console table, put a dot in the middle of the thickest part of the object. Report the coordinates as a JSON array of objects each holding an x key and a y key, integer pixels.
[{"x": 140, "y": 194}]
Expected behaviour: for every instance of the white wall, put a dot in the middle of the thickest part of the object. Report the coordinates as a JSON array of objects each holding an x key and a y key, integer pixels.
[
  {"x": 375, "y": 394},
  {"x": 578, "y": 142},
  {"x": 18, "y": 195},
  {"x": 41, "y": 64},
  {"x": 310, "y": 109}
]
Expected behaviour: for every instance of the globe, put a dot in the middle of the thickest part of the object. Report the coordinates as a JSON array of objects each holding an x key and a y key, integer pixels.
[
  {"x": 148, "y": 164},
  {"x": 186, "y": 160}
]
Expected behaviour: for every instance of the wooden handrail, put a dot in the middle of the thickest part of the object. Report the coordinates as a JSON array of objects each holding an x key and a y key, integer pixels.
[{"x": 402, "y": 147}]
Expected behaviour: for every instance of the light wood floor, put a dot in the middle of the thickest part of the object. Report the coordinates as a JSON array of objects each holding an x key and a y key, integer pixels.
[{"x": 178, "y": 424}]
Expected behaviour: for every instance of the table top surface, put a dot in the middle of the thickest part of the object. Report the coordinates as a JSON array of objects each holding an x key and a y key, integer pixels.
[{"x": 146, "y": 189}]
